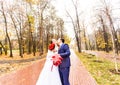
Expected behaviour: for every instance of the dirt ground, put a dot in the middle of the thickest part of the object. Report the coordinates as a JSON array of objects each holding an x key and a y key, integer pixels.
[
  {"x": 8, "y": 64},
  {"x": 110, "y": 56}
]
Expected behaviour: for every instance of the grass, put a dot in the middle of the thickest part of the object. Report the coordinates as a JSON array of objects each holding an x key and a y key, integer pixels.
[{"x": 100, "y": 69}]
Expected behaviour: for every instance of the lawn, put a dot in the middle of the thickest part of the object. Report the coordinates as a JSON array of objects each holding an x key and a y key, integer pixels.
[{"x": 100, "y": 69}]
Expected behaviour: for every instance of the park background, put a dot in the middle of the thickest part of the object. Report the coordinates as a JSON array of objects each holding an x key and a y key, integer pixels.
[{"x": 91, "y": 28}]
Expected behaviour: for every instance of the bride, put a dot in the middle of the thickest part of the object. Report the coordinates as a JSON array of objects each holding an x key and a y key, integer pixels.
[{"x": 50, "y": 76}]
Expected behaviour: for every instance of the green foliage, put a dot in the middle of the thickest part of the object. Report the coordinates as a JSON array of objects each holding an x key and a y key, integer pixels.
[{"x": 100, "y": 69}]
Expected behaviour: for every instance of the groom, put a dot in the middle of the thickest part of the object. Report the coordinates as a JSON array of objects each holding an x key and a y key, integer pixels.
[{"x": 64, "y": 67}]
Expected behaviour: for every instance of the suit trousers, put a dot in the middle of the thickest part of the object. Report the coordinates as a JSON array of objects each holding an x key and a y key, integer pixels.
[{"x": 64, "y": 75}]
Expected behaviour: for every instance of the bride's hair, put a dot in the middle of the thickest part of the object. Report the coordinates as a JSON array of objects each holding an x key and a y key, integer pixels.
[
  {"x": 51, "y": 42},
  {"x": 51, "y": 46}
]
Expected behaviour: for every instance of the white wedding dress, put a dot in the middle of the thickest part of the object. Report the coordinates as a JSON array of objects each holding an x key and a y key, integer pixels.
[{"x": 48, "y": 76}]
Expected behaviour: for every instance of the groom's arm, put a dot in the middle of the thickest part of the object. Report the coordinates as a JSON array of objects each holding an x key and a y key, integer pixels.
[{"x": 67, "y": 51}]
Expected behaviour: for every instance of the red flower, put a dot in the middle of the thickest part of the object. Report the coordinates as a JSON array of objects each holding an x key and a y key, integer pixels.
[
  {"x": 51, "y": 46},
  {"x": 57, "y": 60}
]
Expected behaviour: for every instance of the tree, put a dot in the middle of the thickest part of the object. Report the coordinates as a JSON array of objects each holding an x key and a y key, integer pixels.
[
  {"x": 6, "y": 27},
  {"x": 33, "y": 27},
  {"x": 76, "y": 25},
  {"x": 18, "y": 33},
  {"x": 41, "y": 28},
  {"x": 107, "y": 11},
  {"x": 84, "y": 35},
  {"x": 102, "y": 30},
  {"x": 3, "y": 47},
  {"x": 105, "y": 35}
]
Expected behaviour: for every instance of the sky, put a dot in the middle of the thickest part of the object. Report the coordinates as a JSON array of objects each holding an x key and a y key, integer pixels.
[
  {"x": 86, "y": 6},
  {"x": 83, "y": 5},
  {"x": 62, "y": 5}
]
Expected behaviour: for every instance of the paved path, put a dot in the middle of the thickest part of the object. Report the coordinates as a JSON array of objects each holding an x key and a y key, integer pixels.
[{"x": 78, "y": 74}]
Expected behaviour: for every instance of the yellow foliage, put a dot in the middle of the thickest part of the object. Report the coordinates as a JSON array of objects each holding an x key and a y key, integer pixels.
[
  {"x": 32, "y": 29},
  {"x": 67, "y": 39},
  {"x": 31, "y": 19},
  {"x": 6, "y": 46},
  {"x": 32, "y": 1},
  {"x": 101, "y": 42}
]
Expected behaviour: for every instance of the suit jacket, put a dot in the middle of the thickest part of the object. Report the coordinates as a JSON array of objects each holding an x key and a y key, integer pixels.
[{"x": 64, "y": 52}]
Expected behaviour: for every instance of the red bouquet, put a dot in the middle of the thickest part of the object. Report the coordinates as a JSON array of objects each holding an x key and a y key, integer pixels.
[{"x": 57, "y": 60}]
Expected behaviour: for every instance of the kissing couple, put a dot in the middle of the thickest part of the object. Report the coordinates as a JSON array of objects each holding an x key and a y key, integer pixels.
[{"x": 57, "y": 65}]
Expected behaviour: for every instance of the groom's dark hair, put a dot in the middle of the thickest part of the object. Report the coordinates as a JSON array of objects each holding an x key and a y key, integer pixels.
[{"x": 62, "y": 40}]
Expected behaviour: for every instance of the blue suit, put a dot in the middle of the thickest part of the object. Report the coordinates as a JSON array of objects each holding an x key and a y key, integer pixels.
[{"x": 64, "y": 67}]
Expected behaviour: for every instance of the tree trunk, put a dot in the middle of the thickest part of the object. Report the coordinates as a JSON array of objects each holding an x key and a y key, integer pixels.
[
  {"x": 3, "y": 46},
  {"x": 47, "y": 42},
  {"x": 86, "y": 47},
  {"x": 19, "y": 37},
  {"x": 10, "y": 45},
  {"x": 78, "y": 44},
  {"x": 114, "y": 36},
  {"x": 41, "y": 34},
  {"x": 6, "y": 31},
  {"x": 114, "y": 40},
  {"x": 96, "y": 45},
  {"x": 34, "y": 46},
  {"x": 105, "y": 35},
  {"x": 29, "y": 38},
  {"x": 6, "y": 47}
]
